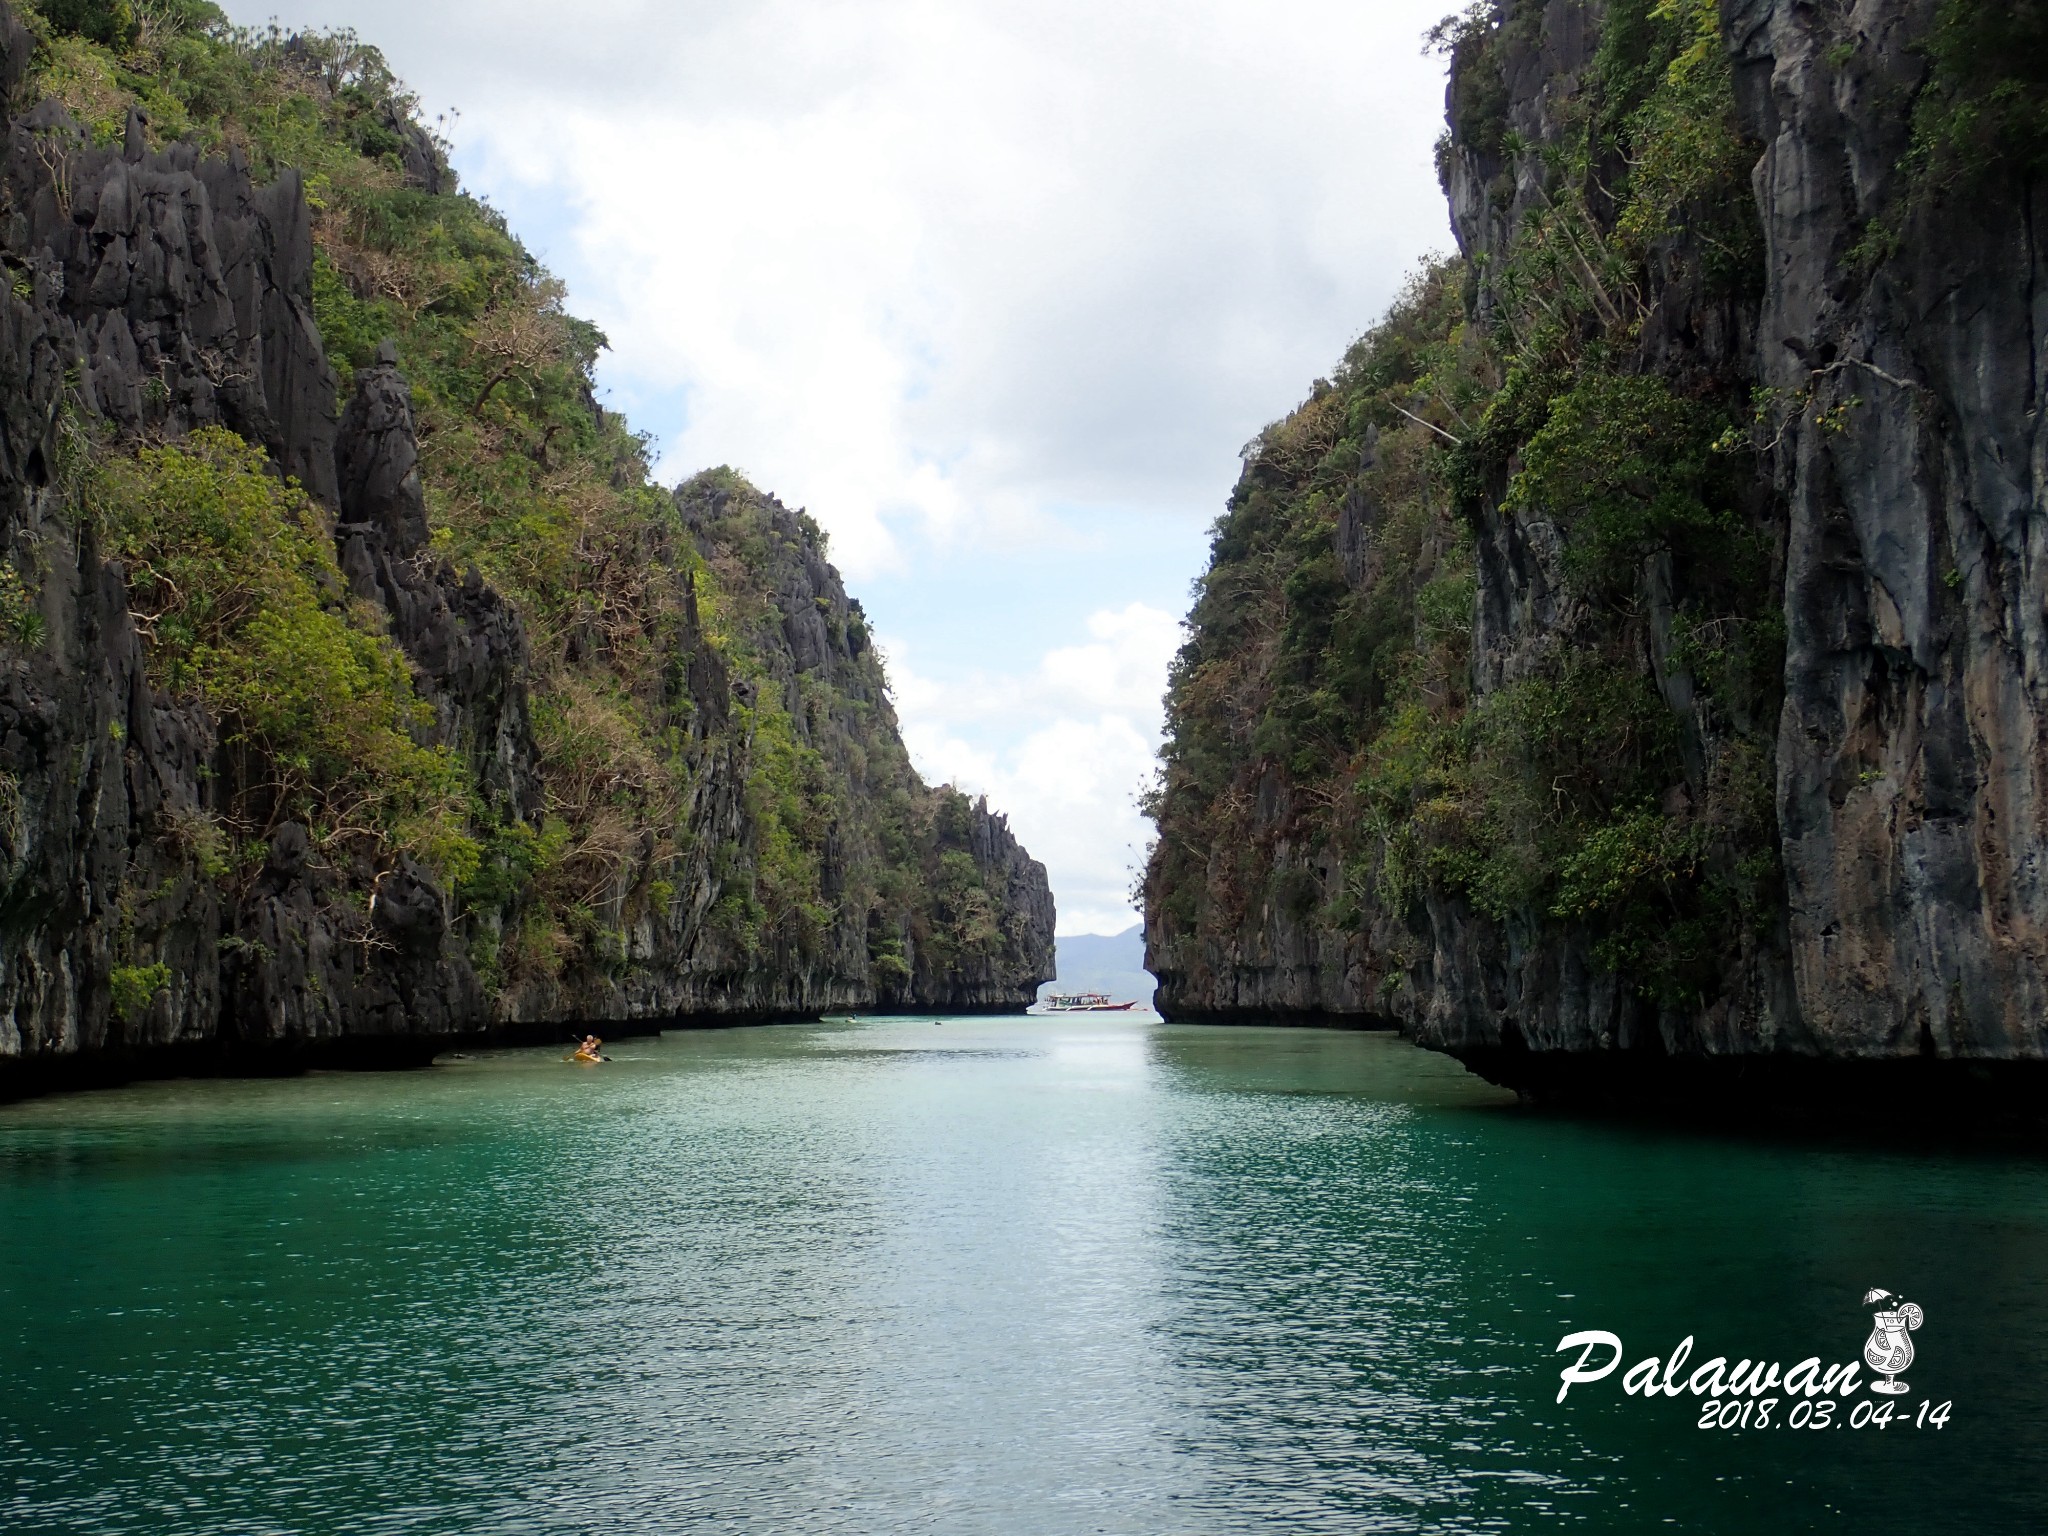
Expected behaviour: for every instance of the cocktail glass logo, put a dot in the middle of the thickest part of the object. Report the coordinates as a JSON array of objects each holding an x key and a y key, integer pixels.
[
  {"x": 1888, "y": 1350},
  {"x": 1763, "y": 1394}
]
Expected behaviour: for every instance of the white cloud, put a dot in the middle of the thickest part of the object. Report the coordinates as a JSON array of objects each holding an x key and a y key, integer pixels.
[
  {"x": 1121, "y": 670},
  {"x": 1125, "y": 669},
  {"x": 1077, "y": 742}
]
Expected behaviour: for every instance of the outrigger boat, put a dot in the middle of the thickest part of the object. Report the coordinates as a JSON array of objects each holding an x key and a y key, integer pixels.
[{"x": 1083, "y": 1002}]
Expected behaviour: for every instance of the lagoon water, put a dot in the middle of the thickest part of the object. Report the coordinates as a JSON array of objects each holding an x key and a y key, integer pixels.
[{"x": 1012, "y": 1277}]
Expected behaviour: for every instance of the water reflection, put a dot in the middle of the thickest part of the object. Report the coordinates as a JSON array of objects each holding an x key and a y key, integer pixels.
[{"x": 995, "y": 1276}]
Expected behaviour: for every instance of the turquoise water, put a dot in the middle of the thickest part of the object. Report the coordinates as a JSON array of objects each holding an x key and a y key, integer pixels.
[{"x": 999, "y": 1276}]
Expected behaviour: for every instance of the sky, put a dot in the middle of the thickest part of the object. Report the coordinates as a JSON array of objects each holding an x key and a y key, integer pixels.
[{"x": 997, "y": 289}]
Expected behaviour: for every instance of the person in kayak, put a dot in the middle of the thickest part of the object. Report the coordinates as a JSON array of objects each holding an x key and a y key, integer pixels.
[{"x": 590, "y": 1048}]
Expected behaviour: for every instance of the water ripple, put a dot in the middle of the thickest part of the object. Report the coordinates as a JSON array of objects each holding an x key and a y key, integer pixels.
[{"x": 1043, "y": 1278}]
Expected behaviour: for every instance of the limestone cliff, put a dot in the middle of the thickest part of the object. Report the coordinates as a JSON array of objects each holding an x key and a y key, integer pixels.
[
  {"x": 665, "y": 778},
  {"x": 1626, "y": 672}
]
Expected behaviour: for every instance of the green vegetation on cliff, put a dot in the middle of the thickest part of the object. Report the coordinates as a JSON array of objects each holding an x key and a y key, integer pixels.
[
  {"x": 232, "y": 575},
  {"x": 682, "y": 750},
  {"x": 1985, "y": 106},
  {"x": 1609, "y": 774}
]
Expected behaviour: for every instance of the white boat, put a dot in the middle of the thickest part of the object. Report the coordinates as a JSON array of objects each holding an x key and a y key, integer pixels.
[{"x": 1083, "y": 1002}]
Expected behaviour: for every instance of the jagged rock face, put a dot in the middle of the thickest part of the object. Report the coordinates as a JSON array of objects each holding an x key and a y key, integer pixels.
[
  {"x": 815, "y": 640},
  {"x": 173, "y": 293},
  {"x": 680, "y": 959},
  {"x": 1914, "y": 741},
  {"x": 156, "y": 293},
  {"x": 1905, "y": 484},
  {"x": 321, "y": 955},
  {"x": 1275, "y": 957},
  {"x": 1455, "y": 977},
  {"x": 1910, "y": 750},
  {"x": 183, "y": 286},
  {"x": 176, "y": 294},
  {"x": 467, "y": 646},
  {"x": 1488, "y": 987},
  {"x": 1017, "y": 883}
]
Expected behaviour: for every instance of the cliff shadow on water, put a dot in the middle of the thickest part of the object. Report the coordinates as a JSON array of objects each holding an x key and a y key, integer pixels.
[
  {"x": 1625, "y": 672},
  {"x": 360, "y": 693}
]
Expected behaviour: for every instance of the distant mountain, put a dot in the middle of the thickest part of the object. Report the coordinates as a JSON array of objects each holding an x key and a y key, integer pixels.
[{"x": 1097, "y": 962}]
